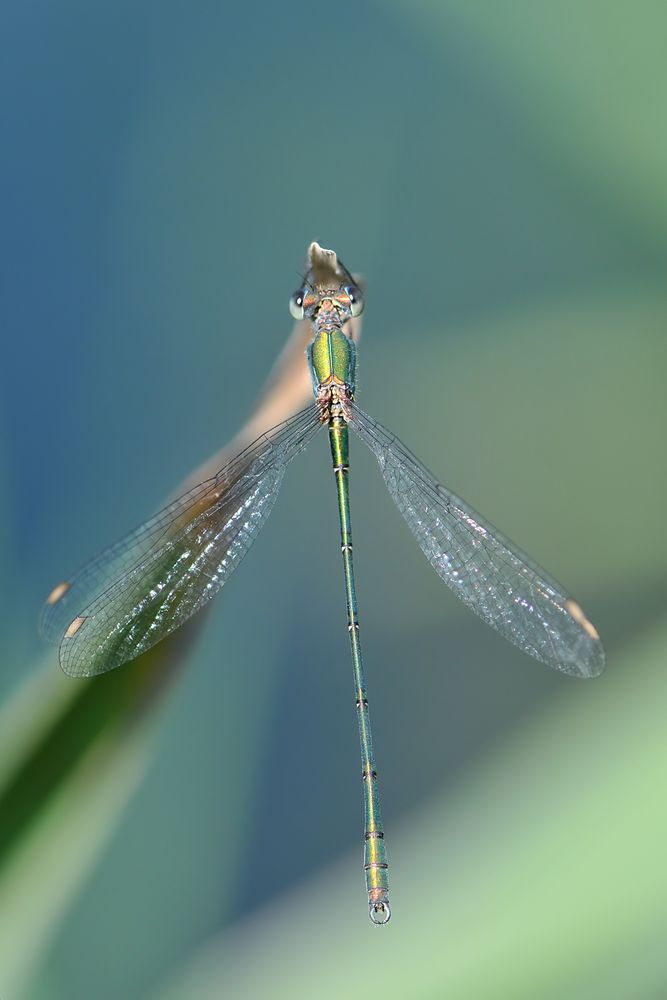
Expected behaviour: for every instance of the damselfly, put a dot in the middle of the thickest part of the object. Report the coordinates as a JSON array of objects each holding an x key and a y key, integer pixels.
[{"x": 146, "y": 585}]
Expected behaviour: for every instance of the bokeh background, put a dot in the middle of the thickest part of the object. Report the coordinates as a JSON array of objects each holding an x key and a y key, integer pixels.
[{"x": 497, "y": 171}]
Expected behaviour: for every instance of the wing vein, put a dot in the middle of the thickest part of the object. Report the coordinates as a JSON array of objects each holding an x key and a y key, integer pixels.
[{"x": 484, "y": 568}]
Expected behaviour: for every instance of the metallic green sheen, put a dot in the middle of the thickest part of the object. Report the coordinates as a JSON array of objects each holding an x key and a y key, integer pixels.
[
  {"x": 375, "y": 858},
  {"x": 332, "y": 354}
]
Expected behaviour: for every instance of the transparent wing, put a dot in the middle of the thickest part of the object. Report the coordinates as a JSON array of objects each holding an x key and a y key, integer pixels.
[
  {"x": 142, "y": 588},
  {"x": 490, "y": 574}
]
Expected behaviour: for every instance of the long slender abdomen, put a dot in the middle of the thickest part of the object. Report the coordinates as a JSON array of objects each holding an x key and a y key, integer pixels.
[{"x": 375, "y": 856}]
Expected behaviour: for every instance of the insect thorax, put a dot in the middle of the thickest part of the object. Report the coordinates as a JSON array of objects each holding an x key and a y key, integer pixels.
[{"x": 332, "y": 358}]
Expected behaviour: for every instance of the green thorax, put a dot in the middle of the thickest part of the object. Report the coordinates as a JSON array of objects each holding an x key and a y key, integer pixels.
[{"x": 332, "y": 357}]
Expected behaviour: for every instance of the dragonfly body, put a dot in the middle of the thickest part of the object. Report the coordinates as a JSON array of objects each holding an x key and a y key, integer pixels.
[
  {"x": 142, "y": 588},
  {"x": 332, "y": 358}
]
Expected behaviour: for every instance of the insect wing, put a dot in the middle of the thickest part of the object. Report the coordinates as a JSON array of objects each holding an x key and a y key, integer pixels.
[
  {"x": 483, "y": 568},
  {"x": 143, "y": 587}
]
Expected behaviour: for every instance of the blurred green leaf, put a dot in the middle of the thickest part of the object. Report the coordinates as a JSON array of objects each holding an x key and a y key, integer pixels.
[{"x": 71, "y": 753}]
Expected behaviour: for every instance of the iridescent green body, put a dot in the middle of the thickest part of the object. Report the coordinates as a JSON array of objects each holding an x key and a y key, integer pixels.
[
  {"x": 332, "y": 360},
  {"x": 375, "y": 856}
]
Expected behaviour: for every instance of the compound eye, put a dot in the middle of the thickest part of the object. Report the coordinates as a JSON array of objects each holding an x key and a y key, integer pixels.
[
  {"x": 356, "y": 300},
  {"x": 296, "y": 304}
]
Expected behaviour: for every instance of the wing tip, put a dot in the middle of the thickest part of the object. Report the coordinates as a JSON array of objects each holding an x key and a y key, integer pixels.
[{"x": 588, "y": 660}]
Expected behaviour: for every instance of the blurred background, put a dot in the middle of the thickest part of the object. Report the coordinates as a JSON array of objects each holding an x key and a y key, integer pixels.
[{"x": 191, "y": 825}]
